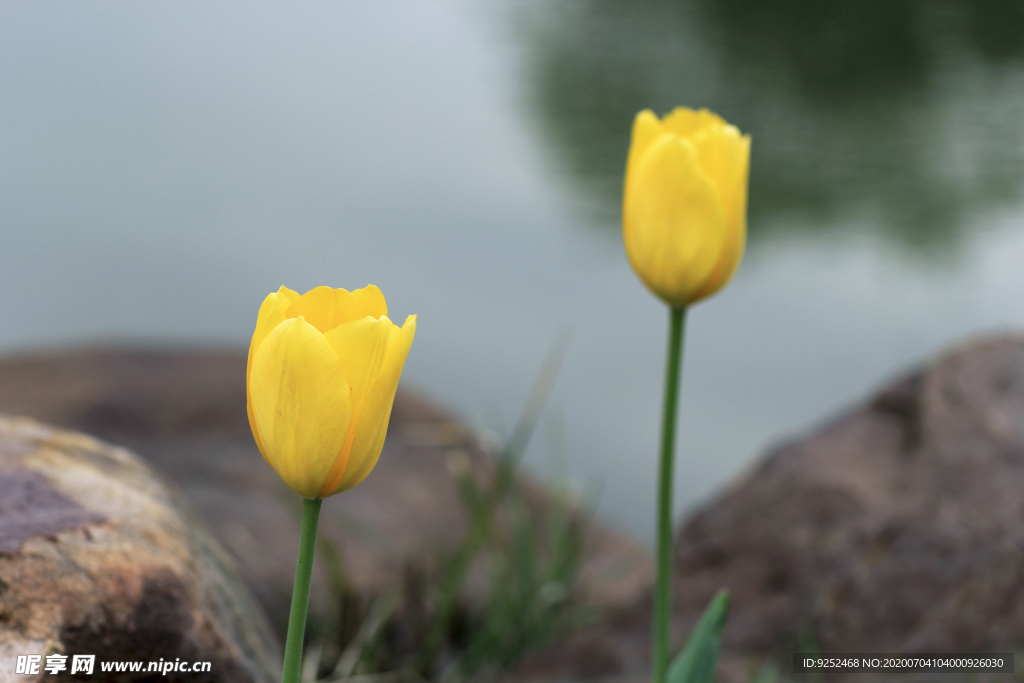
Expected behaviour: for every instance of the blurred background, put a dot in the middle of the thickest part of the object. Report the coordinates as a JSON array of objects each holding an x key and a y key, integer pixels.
[{"x": 165, "y": 165}]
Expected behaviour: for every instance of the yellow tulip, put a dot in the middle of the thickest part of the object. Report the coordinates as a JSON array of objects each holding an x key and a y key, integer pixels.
[
  {"x": 685, "y": 203},
  {"x": 321, "y": 380}
]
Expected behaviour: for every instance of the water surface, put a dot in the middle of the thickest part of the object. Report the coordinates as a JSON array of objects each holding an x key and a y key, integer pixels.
[{"x": 165, "y": 165}]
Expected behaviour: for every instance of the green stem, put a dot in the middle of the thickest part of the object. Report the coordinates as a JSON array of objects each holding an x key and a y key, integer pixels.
[
  {"x": 300, "y": 593},
  {"x": 663, "y": 586}
]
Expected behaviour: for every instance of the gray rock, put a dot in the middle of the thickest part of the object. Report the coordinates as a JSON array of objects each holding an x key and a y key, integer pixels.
[
  {"x": 897, "y": 527},
  {"x": 97, "y": 557}
]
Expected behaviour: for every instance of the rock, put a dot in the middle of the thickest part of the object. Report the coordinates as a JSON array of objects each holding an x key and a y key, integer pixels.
[
  {"x": 184, "y": 412},
  {"x": 98, "y": 558},
  {"x": 897, "y": 527}
]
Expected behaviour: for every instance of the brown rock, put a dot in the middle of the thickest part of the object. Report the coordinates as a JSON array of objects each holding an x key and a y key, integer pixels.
[
  {"x": 99, "y": 559},
  {"x": 898, "y": 527},
  {"x": 184, "y": 411}
]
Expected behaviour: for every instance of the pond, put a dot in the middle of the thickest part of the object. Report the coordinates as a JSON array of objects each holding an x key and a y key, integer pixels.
[{"x": 165, "y": 165}]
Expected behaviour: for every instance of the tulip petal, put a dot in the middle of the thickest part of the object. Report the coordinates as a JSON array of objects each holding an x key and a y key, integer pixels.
[
  {"x": 687, "y": 122},
  {"x": 370, "y": 302},
  {"x": 673, "y": 222},
  {"x": 325, "y": 308},
  {"x": 724, "y": 155},
  {"x": 322, "y": 307},
  {"x": 272, "y": 313},
  {"x": 646, "y": 129},
  {"x": 375, "y": 409},
  {"x": 300, "y": 404},
  {"x": 270, "y": 316},
  {"x": 361, "y": 346}
]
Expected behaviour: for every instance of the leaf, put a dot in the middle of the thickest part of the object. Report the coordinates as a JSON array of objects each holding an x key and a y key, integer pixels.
[{"x": 699, "y": 659}]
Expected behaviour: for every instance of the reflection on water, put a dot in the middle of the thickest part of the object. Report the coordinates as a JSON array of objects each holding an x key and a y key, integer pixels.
[{"x": 904, "y": 115}]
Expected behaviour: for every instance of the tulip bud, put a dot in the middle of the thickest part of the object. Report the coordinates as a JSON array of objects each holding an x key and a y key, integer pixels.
[
  {"x": 685, "y": 203},
  {"x": 321, "y": 380}
]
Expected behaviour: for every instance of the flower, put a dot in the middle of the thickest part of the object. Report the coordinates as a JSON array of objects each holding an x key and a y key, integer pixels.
[
  {"x": 685, "y": 203},
  {"x": 322, "y": 374}
]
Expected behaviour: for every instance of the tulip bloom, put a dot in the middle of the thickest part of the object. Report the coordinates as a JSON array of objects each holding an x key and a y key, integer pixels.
[
  {"x": 685, "y": 203},
  {"x": 684, "y": 224},
  {"x": 321, "y": 379}
]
